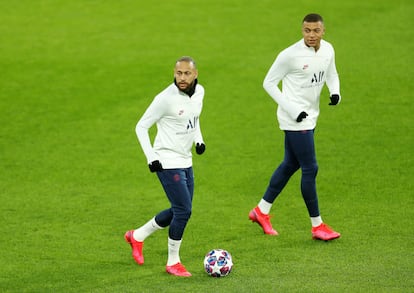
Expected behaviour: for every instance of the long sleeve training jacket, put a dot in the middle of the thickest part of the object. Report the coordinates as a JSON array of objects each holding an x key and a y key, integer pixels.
[
  {"x": 178, "y": 127},
  {"x": 303, "y": 73}
]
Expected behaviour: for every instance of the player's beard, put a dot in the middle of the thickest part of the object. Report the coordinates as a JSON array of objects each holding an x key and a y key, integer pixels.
[
  {"x": 189, "y": 89},
  {"x": 184, "y": 86}
]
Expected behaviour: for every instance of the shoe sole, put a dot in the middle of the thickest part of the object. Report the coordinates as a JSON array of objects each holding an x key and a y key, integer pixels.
[
  {"x": 252, "y": 217},
  {"x": 326, "y": 239},
  {"x": 177, "y": 275},
  {"x": 184, "y": 274},
  {"x": 127, "y": 237}
]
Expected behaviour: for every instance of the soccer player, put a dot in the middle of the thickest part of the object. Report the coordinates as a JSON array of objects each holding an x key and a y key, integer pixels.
[
  {"x": 175, "y": 111},
  {"x": 303, "y": 68}
]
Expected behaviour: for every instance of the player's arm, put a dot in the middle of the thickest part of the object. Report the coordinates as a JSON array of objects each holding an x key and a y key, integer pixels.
[
  {"x": 276, "y": 73},
  {"x": 332, "y": 82},
  {"x": 198, "y": 140},
  {"x": 153, "y": 113}
]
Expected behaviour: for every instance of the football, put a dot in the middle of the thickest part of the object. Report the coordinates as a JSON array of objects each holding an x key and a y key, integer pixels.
[{"x": 218, "y": 263}]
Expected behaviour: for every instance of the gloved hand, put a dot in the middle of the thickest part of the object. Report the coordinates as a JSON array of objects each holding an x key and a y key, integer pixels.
[
  {"x": 301, "y": 116},
  {"x": 155, "y": 166},
  {"x": 200, "y": 148},
  {"x": 334, "y": 100}
]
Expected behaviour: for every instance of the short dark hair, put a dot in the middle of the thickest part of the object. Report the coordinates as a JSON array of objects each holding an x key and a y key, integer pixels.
[
  {"x": 186, "y": 59},
  {"x": 313, "y": 17}
]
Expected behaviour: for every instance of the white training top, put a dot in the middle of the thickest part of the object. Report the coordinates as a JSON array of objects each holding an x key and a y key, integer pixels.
[
  {"x": 303, "y": 73},
  {"x": 177, "y": 118}
]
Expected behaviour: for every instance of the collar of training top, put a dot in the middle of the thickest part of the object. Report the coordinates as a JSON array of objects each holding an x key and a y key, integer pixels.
[{"x": 190, "y": 91}]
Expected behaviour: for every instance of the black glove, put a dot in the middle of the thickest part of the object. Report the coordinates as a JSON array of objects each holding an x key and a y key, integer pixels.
[
  {"x": 200, "y": 148},
  {"x": 334, "y": 100},
  {"x": 155, "y": 166},
  {"x": 301, "y": 116}
]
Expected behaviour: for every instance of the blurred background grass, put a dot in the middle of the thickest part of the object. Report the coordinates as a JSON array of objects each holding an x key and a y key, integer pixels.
[{"x": 76, "y": 77}]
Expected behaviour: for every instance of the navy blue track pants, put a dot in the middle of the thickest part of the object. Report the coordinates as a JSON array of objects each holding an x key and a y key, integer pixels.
[
  {"x": 178, "y": 185},
  {"x": 299, "y": 153}
]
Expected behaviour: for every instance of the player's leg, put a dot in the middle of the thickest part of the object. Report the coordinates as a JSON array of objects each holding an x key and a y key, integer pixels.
[
  {"x": 278, "y": 181},
  {"x": 179, "y": 186},
  {"x": 304, "y": 147},
  {"x": 283, "y": 173},
  {"x": 136, "y": 237},
  {"x": 302, "y": 144}
]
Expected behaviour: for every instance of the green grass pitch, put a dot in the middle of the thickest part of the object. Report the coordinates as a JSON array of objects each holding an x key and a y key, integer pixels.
[{"x": 77, "y": 75}]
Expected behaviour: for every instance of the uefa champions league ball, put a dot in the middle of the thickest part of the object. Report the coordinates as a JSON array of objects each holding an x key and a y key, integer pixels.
[{"x": 218, "y": 263}]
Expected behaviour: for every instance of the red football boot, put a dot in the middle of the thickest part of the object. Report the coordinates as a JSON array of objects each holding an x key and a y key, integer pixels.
[
  {"x": 324, "y": 232},
  {"x": 178, "y": 270},
  {"x": 136, "y": 247},
  {"x": 263, "y": 220}
]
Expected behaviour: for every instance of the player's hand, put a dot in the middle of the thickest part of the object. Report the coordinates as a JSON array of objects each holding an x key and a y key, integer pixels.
[
  {"x": 334, "y": 100},
  {"x": 155, "y": 166},
  {"x": 301, "y": 116},
  {"x": 200, "y": 148}
]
